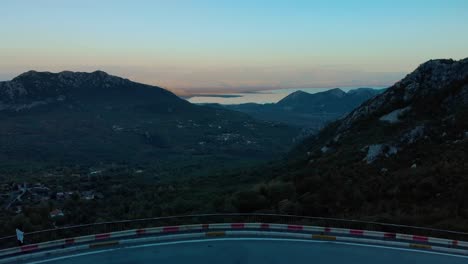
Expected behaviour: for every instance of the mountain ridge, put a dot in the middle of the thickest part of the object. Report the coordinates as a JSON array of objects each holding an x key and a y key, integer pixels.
[
  {"x": 301, "y": 95},
  {"x": 306, "y": 110},
  {"x": 441, "y": 73},
  {"x": 32, "y": 88},
  {"x": 440, "y": 84}
]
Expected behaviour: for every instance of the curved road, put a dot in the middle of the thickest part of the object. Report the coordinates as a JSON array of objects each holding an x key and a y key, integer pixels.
[{"x": 258, "y": 251}]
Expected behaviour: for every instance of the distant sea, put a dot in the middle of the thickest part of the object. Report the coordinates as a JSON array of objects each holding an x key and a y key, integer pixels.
[{"x": 259, "y": 97}]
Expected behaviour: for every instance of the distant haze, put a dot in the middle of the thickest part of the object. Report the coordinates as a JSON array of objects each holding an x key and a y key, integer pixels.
[
  {"x": 229, "y": 46},
  {"x": 259, "y": 97}
]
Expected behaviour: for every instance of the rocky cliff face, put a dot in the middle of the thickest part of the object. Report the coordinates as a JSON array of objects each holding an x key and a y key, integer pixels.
[
  {"x": 428, "y": 106},
  {"x": 435, "y": 86}
]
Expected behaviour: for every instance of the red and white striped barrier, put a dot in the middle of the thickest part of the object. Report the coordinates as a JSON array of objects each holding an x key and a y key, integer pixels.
[{"x": 227, "y": 229}]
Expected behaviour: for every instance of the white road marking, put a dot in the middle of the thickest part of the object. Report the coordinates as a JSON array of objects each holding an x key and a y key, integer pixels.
[{"x": 75, "y": 255}]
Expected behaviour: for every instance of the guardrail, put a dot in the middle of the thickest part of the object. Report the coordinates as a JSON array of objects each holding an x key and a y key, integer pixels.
[
  {"x": 215, "y": 231},
  {"x": 108, "y": 227}
]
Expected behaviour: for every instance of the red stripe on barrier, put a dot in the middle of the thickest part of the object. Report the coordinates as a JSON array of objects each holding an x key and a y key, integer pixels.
[
  {"x": 295, "y": 227},
  {"x": 420, "y": 238},
  {"x": 169, "y": 229},
  {"x": 29, "y": 248},
  {"x": 265, "y": 226},
  {"x": 356, "y": 232},
  {"x": 390, "y": 235},
  {"x": 69, "y": 241},
  {"x": 238, "y": 225},
  {"x": 101, "y": 236},
  {"x": 205, "y": 226},
  {"x": 327, "y": 229},
  {"x": 455, "y": 243},
  {"x": 140, "y": 232}
]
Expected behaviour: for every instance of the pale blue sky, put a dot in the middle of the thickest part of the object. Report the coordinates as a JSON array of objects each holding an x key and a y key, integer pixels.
[{"x": 229, "y": 44}]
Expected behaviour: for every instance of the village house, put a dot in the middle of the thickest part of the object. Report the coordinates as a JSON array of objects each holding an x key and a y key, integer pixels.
[
  {"x": 56, "y": 213},
  {"x": 87, "y": 195}
]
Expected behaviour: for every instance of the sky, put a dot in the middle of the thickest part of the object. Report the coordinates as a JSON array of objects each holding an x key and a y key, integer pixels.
[{"x": 220, "y": 46}]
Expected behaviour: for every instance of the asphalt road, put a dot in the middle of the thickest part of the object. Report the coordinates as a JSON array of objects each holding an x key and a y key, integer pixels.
[{"x": 258, "y": 251}]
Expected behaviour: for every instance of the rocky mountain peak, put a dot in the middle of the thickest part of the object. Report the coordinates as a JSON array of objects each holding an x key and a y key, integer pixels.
[
  {"x": 363, "y": 90},
  {"x": 436, "y": 81},
  {"x": 27, "y": 74},
  {"x": 100, "y": 73},
  {"x": 336, "y": 92},
  {"x": 300, "y": 96},
  {"x": 296, "y": 94}
]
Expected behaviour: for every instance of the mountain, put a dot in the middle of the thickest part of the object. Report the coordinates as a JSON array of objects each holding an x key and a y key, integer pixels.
[
  {"x": 95, "y": 118},
  {"x": 334, "y": 101},
  {"x": 302, "y": 101},
  {"x": 33, "y": 89},
  {"x": 400, "y": 157},
  {"x": 305, "y": 110},
  {"x": 426, "y": 104}
]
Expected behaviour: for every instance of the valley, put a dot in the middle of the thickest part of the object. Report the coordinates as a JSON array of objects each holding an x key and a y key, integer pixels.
[{"x": 394, "y": 159}]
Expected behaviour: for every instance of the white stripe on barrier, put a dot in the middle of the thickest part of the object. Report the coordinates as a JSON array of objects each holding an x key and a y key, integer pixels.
[
  {"x": 462, "y": 243},
  {"x": 193, "y": 227},
  {"x": 220, "y": 226},
  {"x": 278, "y": 226},
  {"x": 153, "y": 230},
  {"x": 123, "y": 233},
  {"x": 313, "y": 229},
  {"x": 440, "y": 241},
  {"x": 374, "y": 234},
  {"x": 404, "y": 237},
  {"x": 253, "y": 225},
  {"x": 83, "y": 239},
  {"x": 340, "y": 230}
]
